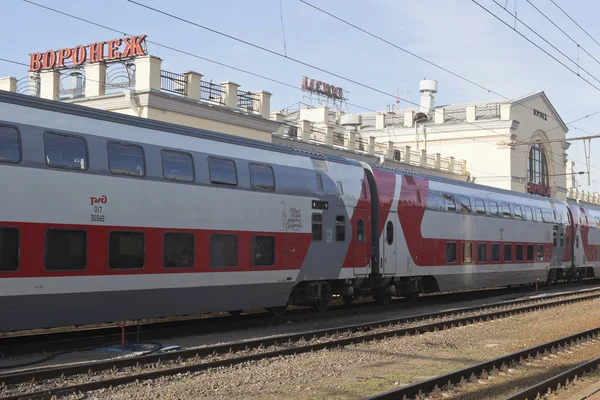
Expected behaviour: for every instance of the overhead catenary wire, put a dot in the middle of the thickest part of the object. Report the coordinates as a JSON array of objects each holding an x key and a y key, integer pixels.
[{"x": 575, "y": 22}]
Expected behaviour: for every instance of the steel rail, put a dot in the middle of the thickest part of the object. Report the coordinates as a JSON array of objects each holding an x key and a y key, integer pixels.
[
  {"x": 88, "y": 368},
  {"x": 448, "y": 381}
]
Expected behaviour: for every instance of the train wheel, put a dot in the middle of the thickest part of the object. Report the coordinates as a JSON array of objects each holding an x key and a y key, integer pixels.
[
  {"x": 347, "y": 299},
  {"x": 278, "y": 311},
  {"x": 384, "y": 298},
  {"x": 320, "y": 305}
]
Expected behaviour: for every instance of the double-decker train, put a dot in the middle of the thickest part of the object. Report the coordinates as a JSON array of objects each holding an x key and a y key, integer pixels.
[{"x": 107, "y": 217}]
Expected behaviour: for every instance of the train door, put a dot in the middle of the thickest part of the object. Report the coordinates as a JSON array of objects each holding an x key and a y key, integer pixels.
[
  {"x": 360, "y": 241},
  {"x": 388, "y": 258},
  {"x": 558, "y": 244}
]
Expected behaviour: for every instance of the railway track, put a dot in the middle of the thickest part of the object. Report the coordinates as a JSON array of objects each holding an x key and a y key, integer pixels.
[
  {"x": 60, "y": 340},
  {"x": 56, "y": 381},
  {"x": 447, "y": 382}
]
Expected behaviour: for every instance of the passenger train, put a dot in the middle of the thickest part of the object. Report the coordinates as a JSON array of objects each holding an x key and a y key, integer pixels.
[{"x": 107, "y": 217}]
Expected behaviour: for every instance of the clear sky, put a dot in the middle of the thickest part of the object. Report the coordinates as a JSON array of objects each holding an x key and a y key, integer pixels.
[{"x": 457, "y": 34}]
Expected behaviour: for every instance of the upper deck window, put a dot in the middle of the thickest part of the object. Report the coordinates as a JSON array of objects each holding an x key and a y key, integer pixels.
[
  {"x": 262, "y": 177},
  {"x": 65, "y": 151},
  {"x": 126, "y": 159},
  {"x": 10, "y": 145},
  {"x": 177, "y": 166},
  {"x": 222, "y": 171}
]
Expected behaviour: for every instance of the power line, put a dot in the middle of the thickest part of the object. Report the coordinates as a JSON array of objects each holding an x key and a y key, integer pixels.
[{"x": 575, "y": 22}]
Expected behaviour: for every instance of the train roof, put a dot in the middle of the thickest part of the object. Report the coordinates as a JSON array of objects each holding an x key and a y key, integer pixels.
[{"x": 171, "y": 128}]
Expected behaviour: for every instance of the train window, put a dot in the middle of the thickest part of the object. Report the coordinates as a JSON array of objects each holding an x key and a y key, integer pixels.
[
  {"x": 177, "y": 166},
  {"x": 178, "y": 250},
  {"x": 223, "y": 251},
  {"x": 547, "y": 216},
  {"x": 263, "y": 251},
  {"x": 529, "y": 252},
  {"x": 360, "y": 231},
  {"x": 389, "y": 232},
  {"x": 65, "y": 151},
  {"x": 319, "y": 181},
  {"x": 518, "y": 212},
  {"x": 538, "y": 215},
  {"x": 495, "y": 252},
  {"x": 449, "y": 202},
  {"x": 519, "y": 252},
  {"x": 9, "y": 249},
  {"x": 317, "y": 227},
  {"x": 494, "y": 208},
  {"x": 126, "y": 159},
  {"x": 562, "y": 239},
  {"x": 450, "y": 252},
  {"x": 507, "y": 252},
  {"x": 435, "y": 201},
  {"x": 465, "y": 204},
  {"x": 261, "y": 177},
  {"x": 481, "y": 252},
  {"x": 66, "y": 250},
  {"x": 10, "y": 145},
  {"x": 340, "y": 228},
  {"x": 479, "y": 206},
  {"x": 540, "y": 252},
  {"x": 528, "y": 216},
  {"x": 467, "y": 249},
  {"x": 340, "y": 187},
  {"x": 506, "y": 210},
  {"x": 222, "y": 171},
  {"x": 126, "y": 250}
]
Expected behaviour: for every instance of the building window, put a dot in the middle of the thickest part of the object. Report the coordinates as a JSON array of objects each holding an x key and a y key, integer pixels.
[
  {"x": 9, "y": 249},
  {"x": 449, "y": 202},
  {"x": 450, "y": 252},
  {"x": 519, "y": 252},
  {"x": 494, "y": 208},
  {"x": 263, "y": 251},
  {"x": 317, "y": 227},
  {"x": 467, "y": 253},
  {"x": 66, "y": 250},
  {"x": 65, "y": 151},
  {"x": 481, "y": 252},
  {"x": 262, "y": 177},
  {"x": 340, "y": 228},
  {"x": 126, "y": 159},
  {"x": 537, "y": 167},
  {"x": 177, "y": 166},
  {"x": 495, "y": 252},
  {"x": 222, "y": 171},
  {"x": 360, "y": 231},
  {"x": 10, "y": 145},
  {"x": 126, "y": 250},
  {"x": 223, "y": 251},
  {"x": 479, "y": 206},
  {"x": 389, "y": 232},
  {"x": 507, "y": 252},
  {"x": 178, "y": 250},
  {"x": 465, "y": 204},
  {"x": 529, "y": 252}
]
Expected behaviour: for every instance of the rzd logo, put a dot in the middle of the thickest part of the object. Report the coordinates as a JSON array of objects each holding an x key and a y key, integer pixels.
[{"x": 98, "y": 200}]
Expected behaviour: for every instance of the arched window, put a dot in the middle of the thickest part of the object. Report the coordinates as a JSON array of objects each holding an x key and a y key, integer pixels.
[{"x": 537, "y": 167}]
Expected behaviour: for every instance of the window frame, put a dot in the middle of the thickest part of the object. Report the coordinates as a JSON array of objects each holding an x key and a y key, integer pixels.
[
  {"x": 448, "y": 244},
  {"x": 530, "y": 246},
  {"x": 19, "y": 237},
  {"x": 477, "y": 209},
  {"x": 110, "y": 171},
  {"x": 87, "y": 246},
  {"x": 520, "y": 216},
  {"x": 342, "y": 224},
  {"x": 495, "y": 203},
  {"x": 446, "y": 197},
  {"x": 523, "y": 255},
  {"x": 464, "y": 245},
  {"x": 358, "y": 225},
  {"x": 19, "y": 140},
  {"x": 312, "y": 224},
  {"x": 253, "y": 255},
  {"x": 510, "y": 211},
  {"x": 543, "y": 253},
  {"x": 108, "y": 252},
  {"x": 162, "y": 159},
  {"x": 193, "y": 250},
  {"x": 492, "y": 252},
  {"x": 462, "y": 204},
  {"x": 480, "y": 245},
  {"x": 530, "y": 214},
  {"x": 69, "y": 168},
  {"x": 237, "y": 251},
  {"x": 507, "y": 245},
  {"x": 228, "y": 184},
  {"x": 253, "y": 186}
]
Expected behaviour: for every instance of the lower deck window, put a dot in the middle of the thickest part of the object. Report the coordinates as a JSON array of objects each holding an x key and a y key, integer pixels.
[
  {"x": 126, "y": 250},
  {"x": 467, "y": 253},
  {"x": 508, "y": 252},
  {"x": 540, "y": 252},
  {"x": 451, "y": 252},
  {"x": 519, "y": 252},
  {"x": 178, "y": 250},
  {"x": 66, "y": 250},
  {"x": 529, "y": 252},
  {"x": 9, "y": 249},
  {"x": 223, "y": 251},
  {"x": 495, "y": 252},
  {"x": 263, "y": 251},
  {"x": 481, "y": 252}
]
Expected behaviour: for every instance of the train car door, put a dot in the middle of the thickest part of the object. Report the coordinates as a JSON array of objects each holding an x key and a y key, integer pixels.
[
  {"x": 360, "y": 241},
  {"x": 388, "y": 259}
]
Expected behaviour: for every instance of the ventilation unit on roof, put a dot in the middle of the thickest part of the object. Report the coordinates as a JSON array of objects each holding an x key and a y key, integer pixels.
[
  {"x": 427, "y": 89},
  {"x": 351, "y": 121}
]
